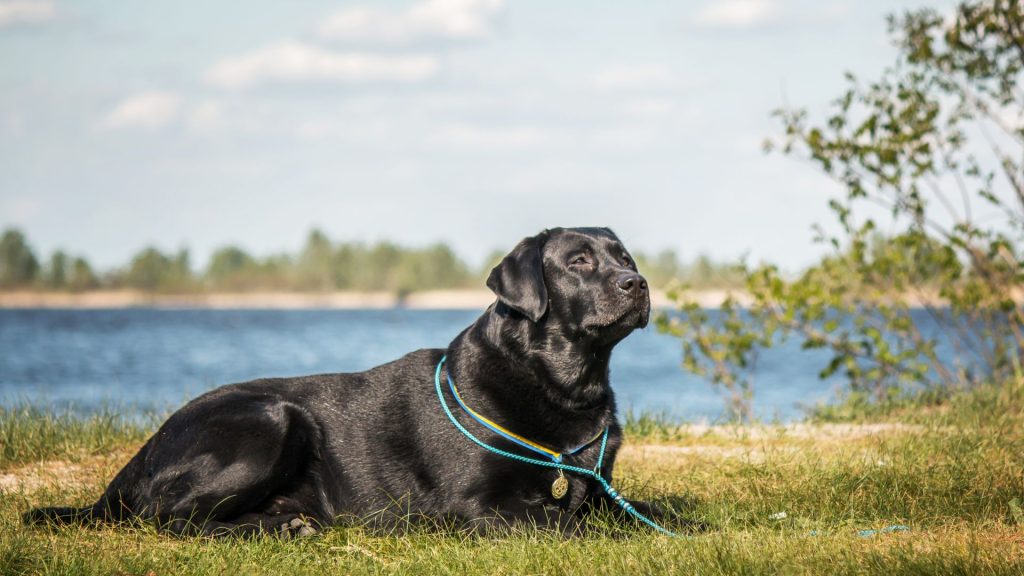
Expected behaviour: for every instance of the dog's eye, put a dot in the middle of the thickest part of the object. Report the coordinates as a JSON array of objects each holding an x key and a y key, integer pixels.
[
  {"x": 579, "y": 260},
  {"x": 626, "y": 261}
]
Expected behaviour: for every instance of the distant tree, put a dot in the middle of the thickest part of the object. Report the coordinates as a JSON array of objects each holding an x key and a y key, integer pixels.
[
  {"x": 57, "y": 270},
  {"x": 377, "y": 269},
  {"x": 444, "y": 268},
  {"x": 668, "y": 266},
  {"x": 147, "y": 270},
  {"x": 275, "y": 272},
  {"x": 432, "y": 268},
  {"x": 314, "y": 267},
  {"x": 64, "y": 272},
  {"x": 231, "y": 268},
  {"x": 345, "y": 261},
  {"x": 82, "y": 276},
  {"x": 659, "y": 269},
  {"x": 152, "y": 271},
  {"x": 180, "y": 277},
  {"x": 18, "y": 265},
  {"x": 703, "y": 270}
]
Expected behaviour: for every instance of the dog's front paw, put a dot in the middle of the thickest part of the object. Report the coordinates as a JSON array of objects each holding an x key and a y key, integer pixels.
[{"x": 299, "y": 527}]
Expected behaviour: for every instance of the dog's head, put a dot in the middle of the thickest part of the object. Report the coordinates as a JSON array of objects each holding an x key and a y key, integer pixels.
[{"x": 581, "y": 280}]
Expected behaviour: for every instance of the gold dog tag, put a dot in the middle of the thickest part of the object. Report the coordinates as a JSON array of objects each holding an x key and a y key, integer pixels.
[{"x": 560, "y": 486}]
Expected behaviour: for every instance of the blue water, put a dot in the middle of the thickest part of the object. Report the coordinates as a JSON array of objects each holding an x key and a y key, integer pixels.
[{"x": 155, "y": 360}]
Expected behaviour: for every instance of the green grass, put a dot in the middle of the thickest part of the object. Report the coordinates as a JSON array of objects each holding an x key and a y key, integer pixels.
[
  {"x": 652, "y": 426},
  {"x": 950, "y": 470},
  {"x": 28, "y": 434},
  {"x": 973, "y": 407}
]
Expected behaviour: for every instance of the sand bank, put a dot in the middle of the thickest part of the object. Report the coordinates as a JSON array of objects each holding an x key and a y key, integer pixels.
[{"x": 427, "y": 300}]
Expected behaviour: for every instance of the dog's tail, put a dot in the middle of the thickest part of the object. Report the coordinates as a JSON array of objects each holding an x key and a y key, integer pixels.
[{"x": 61, "y": 515}]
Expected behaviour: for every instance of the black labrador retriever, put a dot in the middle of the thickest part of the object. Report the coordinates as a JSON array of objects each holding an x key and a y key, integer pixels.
[{"x": 289, "y": 455}]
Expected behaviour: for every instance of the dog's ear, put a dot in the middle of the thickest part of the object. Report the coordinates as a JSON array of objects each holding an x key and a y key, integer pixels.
[{"x": 519, "y": 279}]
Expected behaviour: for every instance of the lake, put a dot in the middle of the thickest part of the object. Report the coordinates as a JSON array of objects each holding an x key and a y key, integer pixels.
[{"x": 143, "y": 360}]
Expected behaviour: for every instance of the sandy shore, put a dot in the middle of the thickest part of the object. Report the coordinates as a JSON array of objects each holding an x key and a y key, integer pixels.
[{"x": 435, "y": 299}]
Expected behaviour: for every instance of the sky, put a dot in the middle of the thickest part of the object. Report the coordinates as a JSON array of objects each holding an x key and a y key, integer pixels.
[{"x": 472, "y": 122}]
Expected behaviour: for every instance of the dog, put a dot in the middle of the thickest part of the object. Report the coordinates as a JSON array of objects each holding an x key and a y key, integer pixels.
[{"x": 290, "y": 456}]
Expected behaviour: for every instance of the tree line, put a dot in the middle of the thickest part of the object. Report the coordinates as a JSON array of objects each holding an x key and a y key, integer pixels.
[{"x": 321, "y": 265}]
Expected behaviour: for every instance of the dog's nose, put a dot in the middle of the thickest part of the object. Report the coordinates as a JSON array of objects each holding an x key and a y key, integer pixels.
[{"x": 632, "y": 283}]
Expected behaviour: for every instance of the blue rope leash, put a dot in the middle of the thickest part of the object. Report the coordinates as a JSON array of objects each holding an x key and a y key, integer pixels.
[
  {"x": 595, "y": 473},
  {"x": 612, "y": 493}
]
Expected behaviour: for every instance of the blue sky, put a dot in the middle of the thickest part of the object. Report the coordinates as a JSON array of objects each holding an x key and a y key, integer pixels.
[{"x": 474, "y": 122}]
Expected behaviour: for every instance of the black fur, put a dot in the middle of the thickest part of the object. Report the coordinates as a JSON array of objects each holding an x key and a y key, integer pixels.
[{"x": 376, "y": 445}]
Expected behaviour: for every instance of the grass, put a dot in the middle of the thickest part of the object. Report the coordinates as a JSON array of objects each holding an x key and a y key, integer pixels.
[
  {"x": 951, "y": 470},
  {"x": 28, "y": 434},
  {"x": 954, "y": 406}
]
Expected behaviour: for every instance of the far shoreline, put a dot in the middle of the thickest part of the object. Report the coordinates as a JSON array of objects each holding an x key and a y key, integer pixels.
[{"x": 462, "y": 299}]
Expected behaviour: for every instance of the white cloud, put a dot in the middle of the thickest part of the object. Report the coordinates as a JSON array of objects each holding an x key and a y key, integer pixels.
[
  {"x": 26, "y": 12},
  {"x": 737, "y": 14},
  {"x": 430, "y": 19},
  {"x": 12, "y": 122},
  {"x": 831, "y": 12},
  {"x": 620, "y": 137},
  {"x": 499, "y": 137},
  {"x": 22, "y": 209},
  {"x": 296, "y": 62},
  {"x": 531, "y": 137},
  {"x": 634, "y": 77},
  {"x": 206, "y": 117},
  {"x": 147, "y": 110},
  {"x": 749, "y": 143},
  {"x": 650, "y": 107},
  {"x": 356, "y": 131}
]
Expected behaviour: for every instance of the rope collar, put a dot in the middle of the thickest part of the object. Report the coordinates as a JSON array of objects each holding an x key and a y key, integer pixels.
[{"x": 512, "y": 436}]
